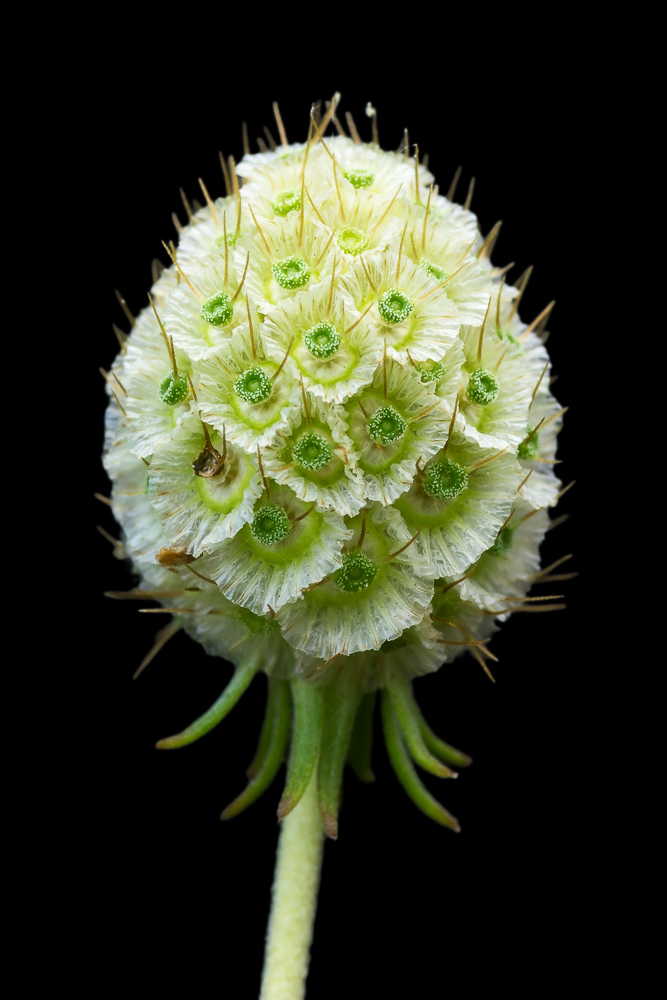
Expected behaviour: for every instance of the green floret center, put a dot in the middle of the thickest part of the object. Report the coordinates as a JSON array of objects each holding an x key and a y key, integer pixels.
[
  {"x": 359, "y": 178},
  {"x": 352, "y": 241},
  {"x": 253, "y": 385},
  {"x": 286, "y": 202},
  {"x": 395, "y": 306},
  {"x": 322, "y": 340},
  {"x": 502, "y": 543},
  {"x": 386, "y": 425},
  {"x": 218, "y": 310},
  {"x": 433, "y": 270},
  {"x": 483, "y": 387},
  {"x": 357, "y": 573},
  {"x": 431, "y": 371},
  {"x": 445, "y": 480},
  {"x": 173, "y": 390},
  {"x": 311, "y": 452},
  {"x": 291, "y": 272},
  {"x": 530, "y": 446},
  {"x": 270, "y": 525}
]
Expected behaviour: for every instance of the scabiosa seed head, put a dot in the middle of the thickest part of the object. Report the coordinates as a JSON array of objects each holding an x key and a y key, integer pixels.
[
  {"x": 270, "y": 524},
  {"x": 445, "y": 480},
  {"x": 483, "y": 387},
  {"x": 218, "y": 310},
  {"x": 291, "y": 272},
  {"x": 345, "y": 478},
  {"x": 357, "y": 573},
  {"x": 174, "y": 389},
  {"x": 322, "y": 340},
  {"x": 253, "y": 385},
  {"x": 394, "y": 306},
  {"x": 386, "y": 425},
  {"x": 312, "y": 452}
]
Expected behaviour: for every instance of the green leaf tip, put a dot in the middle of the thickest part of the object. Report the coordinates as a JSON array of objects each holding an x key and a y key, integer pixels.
[{"x": 239, "y": 682}]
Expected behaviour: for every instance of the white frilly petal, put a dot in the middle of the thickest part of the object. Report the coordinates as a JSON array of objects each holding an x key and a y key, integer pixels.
[
  {"x": 329, "y": 621},
  {"x": 249, "y": 425},
  {"x": 264, "y": 578},
  {"x": 197, "y": 512},
  {"x": 454, "y": 533}
]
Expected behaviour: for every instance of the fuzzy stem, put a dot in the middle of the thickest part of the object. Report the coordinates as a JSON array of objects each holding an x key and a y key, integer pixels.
[{"x": 295, "y": 888}]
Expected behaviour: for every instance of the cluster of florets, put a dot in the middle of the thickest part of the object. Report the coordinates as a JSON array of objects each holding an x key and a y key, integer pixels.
[{"x": 332, "y": 438}]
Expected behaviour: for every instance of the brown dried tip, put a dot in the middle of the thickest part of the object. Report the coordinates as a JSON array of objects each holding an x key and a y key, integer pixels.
[
  {"x": 174, "y": 555},
  {"x": 330, "y": 825},
  {"x": 208, "y": 463}
]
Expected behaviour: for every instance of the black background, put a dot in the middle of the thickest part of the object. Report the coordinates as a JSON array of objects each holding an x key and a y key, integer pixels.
[{"x": 167, "y": 890}]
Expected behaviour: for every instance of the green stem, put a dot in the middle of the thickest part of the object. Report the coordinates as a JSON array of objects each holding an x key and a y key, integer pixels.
[{"x": 295, "y": 888}]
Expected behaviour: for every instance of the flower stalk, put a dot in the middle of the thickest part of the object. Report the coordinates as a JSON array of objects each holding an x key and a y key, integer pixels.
[{"x": 294, "y": 899}]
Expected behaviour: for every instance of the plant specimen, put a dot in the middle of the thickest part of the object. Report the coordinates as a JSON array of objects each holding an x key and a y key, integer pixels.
[{"x": 332, "y": 445}]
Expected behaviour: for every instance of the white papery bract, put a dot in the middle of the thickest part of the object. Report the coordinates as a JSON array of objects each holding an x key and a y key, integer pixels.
[{"x": 332, "y": 441}]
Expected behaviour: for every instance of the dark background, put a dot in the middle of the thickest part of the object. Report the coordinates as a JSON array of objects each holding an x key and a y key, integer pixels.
[{"x": 166, "y": 890}]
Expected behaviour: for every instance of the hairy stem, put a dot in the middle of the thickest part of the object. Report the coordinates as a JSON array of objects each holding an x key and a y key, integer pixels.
[{"x": 295, "y": 888}]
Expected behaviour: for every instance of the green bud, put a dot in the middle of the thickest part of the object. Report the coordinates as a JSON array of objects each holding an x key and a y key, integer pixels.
[
  {"x": 286, "y": 202},
  {"x": 530, "y": 446},
  {"x": 270, "y": 524},
  {"x": 502, "y": 543},
  {"x": 322, "y": 340},
  {"x": 256, "y": 624},
  {"x": 218, "y": 310},
  {"x": 431, "y": 371},
  {"x": 394, "y": 306},
  {"x": 359, "y": 178},
  {"x": 386, "y": 425},
  {"x": 445, "y": 480},
  {"x": 291, "y": 272},
  {"x": 253, "y": 385},
  {"x": 433, "y": 270},
  {"x": 357, "y": 573},
  {"x": 483, "y": 387},
  {"x": 172, "y": 390},
  {"x": 311, "y": 452},
  {"x": 352, "y": 241}
]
